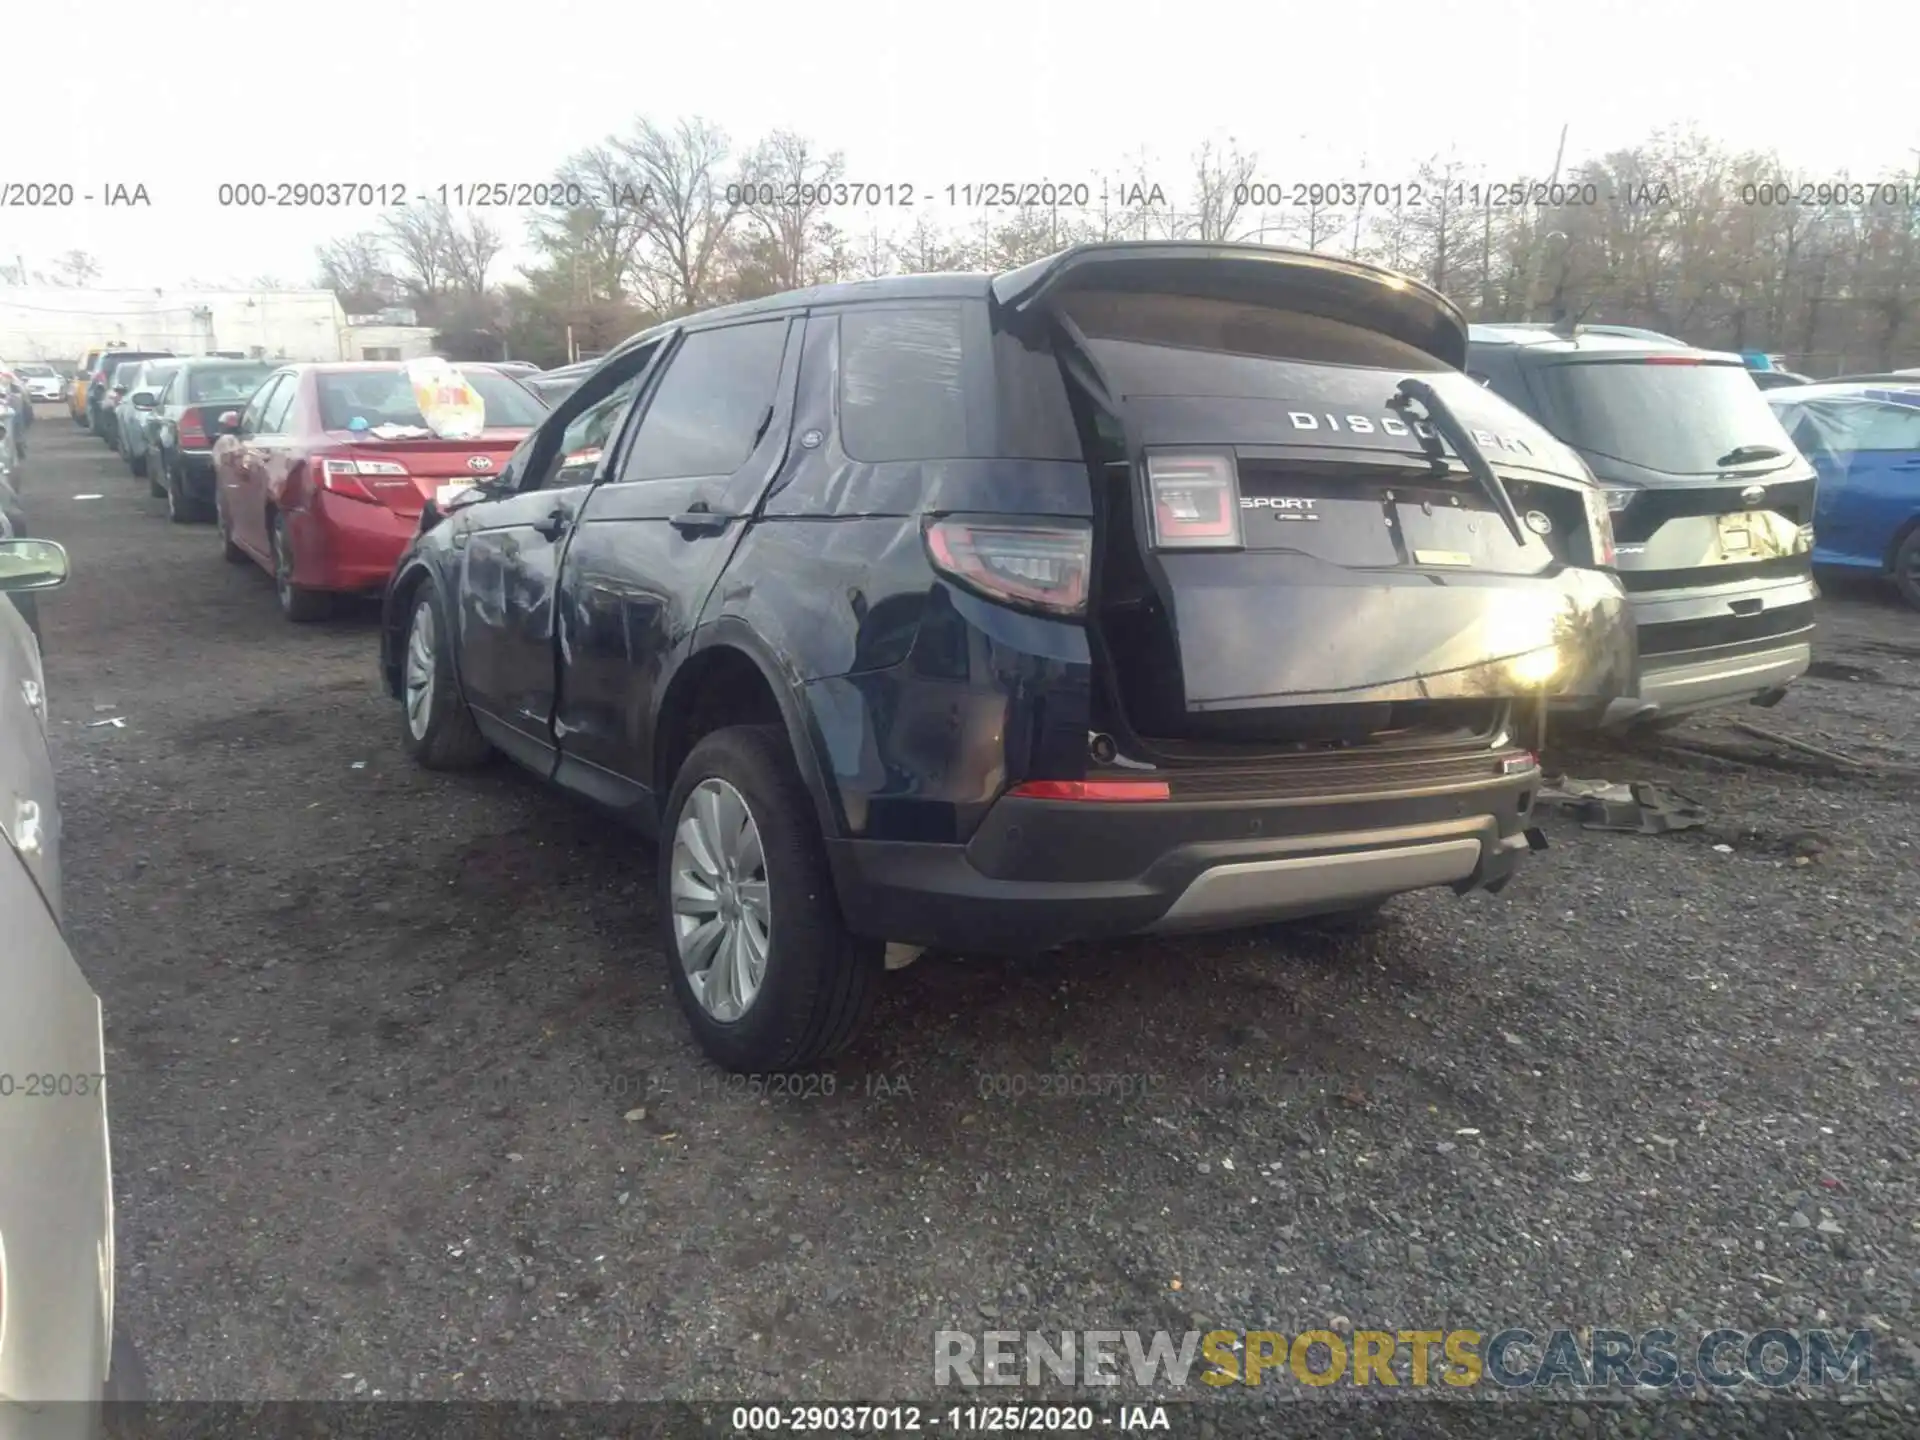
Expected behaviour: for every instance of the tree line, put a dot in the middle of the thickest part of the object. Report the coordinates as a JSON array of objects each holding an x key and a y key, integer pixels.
[{"x": 1677, "y": 233}]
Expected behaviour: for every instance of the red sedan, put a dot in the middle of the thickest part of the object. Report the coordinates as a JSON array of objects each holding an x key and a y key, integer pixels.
[{"x": 321, "y": 479}]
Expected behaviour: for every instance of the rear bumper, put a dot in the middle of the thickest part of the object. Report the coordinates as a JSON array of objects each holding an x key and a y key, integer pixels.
[
  {"x": 1723, "y": 645},
  {"x": 1695, "y": 680},
  {"x": 1043, "y": 873},
  {"x": 346, "y": 545}
]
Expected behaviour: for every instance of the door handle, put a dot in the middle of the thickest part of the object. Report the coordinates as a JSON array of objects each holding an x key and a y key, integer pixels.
[
  {"x": 555, "y": 525},
  {"x": 700, "y": 522}
]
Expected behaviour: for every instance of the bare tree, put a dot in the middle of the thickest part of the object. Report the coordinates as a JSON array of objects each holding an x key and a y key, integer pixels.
[
  {"x": 690, "y": 203},
  {"x": 790, "y": 190},
  {"x": 421, "y": 241},
  {"x": 1220, "y": 181},
  {"x": 473, "y": 246},
  {"x": 358, "y": 270},
  {"x": 77, "y": 268}
]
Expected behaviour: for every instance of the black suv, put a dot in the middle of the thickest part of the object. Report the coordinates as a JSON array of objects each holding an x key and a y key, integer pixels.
[
  {"x": 1712, "y": 504},
  {"x": 1150, "y": 587}
]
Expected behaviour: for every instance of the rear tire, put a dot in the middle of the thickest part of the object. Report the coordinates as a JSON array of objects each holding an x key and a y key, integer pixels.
[
  {"x": 816, "y": 982},
  {"x": 1906, "y": 569},
  {"x": 181, "y": 509},
  {"x": 297, "y": 603},
  {"x": 138, "y": 464},
  {"x": 435, "y": 724}
]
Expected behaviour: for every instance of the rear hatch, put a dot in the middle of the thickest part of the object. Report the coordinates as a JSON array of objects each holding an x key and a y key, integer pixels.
[
  {"x": 1712, "y": 502},
  {"x": 1704, "y": 484},
  {"x": 1290, "y": 544}
]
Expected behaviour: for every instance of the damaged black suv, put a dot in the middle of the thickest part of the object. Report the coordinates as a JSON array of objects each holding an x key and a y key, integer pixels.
[{"x": 1150, "y": 587}]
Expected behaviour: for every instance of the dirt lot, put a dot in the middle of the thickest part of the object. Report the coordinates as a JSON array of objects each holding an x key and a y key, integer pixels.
[{"x": 402, "y": 1105}]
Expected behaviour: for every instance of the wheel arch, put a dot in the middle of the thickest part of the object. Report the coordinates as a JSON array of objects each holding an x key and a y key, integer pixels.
[{"x": 727, "y": 653}]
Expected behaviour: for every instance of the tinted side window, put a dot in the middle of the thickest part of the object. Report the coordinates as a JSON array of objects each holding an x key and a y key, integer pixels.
[
  {"x": 273, "y": 419},
  {"x": 250, "y": 420},
  {"x": 1878, "y": 425},
  {"x": 706, "y": 415},
  {"x": 903, "y": 384},
  {"x": 578, "y": 455}
]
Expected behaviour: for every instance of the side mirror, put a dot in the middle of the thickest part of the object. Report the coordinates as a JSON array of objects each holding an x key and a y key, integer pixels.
[
  {"x": 32, "y": 565},
  {"x": 228, "y": 423},
  {"x": 143, "y": 400}
]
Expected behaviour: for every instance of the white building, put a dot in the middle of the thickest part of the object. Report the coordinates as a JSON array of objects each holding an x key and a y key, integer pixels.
[
  {"x": 391, "y": 335},
  {"x": 54, "y": 323}
]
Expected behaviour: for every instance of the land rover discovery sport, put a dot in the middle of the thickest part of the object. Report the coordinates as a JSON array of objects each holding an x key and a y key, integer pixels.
[{"x": 1150, "y": 587}]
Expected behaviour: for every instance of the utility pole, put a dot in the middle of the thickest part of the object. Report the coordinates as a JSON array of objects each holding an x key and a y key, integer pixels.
[{"x": 1537, "y": 251}]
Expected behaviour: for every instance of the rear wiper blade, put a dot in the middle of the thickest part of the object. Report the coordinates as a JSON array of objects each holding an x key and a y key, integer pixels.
[
  {"x": 1742, "y": 454},
  {"x": 1448, "y": 424}
]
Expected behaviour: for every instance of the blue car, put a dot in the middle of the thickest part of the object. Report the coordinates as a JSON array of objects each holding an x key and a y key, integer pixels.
[{"x": 1864, "y": 439}]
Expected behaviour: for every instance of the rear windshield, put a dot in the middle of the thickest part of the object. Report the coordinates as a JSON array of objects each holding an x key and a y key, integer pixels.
[
  {"x": 385, "y": 397},
  {"x": 234, "y": 382},
  {"x": 1680, "y": 419},
  {"x": 37, "y": 372},
  {"x": 1228, "y": 328}
]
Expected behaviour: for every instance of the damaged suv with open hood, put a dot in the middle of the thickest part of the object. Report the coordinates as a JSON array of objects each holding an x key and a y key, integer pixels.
[{"x": 1150, "y": 587}]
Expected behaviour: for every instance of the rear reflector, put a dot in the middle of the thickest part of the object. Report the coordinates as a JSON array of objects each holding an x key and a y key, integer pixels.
[
  {"x": 1196, "y": 501},
  {"x": 1093, "y": 790},
  {"x": 1519, "y": 764},
  {"x": 1043, "y": 565}
]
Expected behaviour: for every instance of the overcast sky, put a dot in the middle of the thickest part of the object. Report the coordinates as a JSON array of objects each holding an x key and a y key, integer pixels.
[{"x": 182, "y": 96}]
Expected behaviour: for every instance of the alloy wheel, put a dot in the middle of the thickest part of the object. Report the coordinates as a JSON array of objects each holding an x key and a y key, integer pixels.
[
  {"x": 419, "y": 671},
  {"x": 722, "y": 907}
]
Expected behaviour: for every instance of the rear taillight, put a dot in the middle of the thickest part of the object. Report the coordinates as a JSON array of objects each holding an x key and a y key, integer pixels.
[
  {"x": 1600, "y": 525},
  {"x": 1041, "y": 564},
  {"x": 1195, "y": 499},
  {"x": 192, "y": 431},
  {"x": 1520, "y": 764},
  {"x": 1123, "y": 790},
  {"x": 343, "y": 477},
  {"x": 1671, "y": 360}
]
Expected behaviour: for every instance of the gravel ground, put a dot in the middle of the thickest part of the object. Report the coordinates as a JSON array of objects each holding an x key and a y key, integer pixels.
[{"x": 402, "y": 1105}]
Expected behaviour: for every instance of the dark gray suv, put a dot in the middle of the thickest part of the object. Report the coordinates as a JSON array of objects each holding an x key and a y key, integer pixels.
[{"x": 1712, "y": 504}]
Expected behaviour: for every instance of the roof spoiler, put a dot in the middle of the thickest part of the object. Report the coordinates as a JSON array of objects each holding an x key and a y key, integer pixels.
[{"x": 1268, "y": 275}]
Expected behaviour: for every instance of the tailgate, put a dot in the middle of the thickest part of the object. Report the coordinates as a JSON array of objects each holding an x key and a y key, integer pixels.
[{"x": 1371, "y": 566}]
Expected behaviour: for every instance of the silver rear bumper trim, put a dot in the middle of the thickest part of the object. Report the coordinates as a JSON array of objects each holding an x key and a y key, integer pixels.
[{"x": 1255, "y": 891}]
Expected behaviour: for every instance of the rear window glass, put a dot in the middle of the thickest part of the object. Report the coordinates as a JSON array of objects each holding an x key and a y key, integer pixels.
[
  {"x": 36, "y": 372},
  {"x": 385, "y": 397},
  {"x": 933, "y": 382},
  {"x": 1225, "y": 327},
  {"x": 1680, "y": 419},
  {"x": 237, "y": 382}
]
